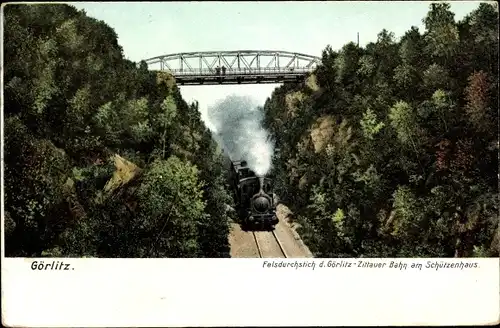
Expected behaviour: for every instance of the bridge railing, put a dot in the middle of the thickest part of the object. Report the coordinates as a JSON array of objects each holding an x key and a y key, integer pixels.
[{"x": 240, "y": 71}]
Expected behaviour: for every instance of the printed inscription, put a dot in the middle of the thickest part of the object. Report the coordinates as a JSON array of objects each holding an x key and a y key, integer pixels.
[{"x": 54, "y": 265}]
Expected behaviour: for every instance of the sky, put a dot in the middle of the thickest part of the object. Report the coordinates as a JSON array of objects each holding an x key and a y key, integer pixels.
[{"x": 152, "y": 29}]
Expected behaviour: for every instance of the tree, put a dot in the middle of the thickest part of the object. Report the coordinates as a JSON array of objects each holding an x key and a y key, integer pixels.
[
  {"x": 477, "y": 108},
  {"x": 442, "y": 33},
  {"x": 72, "y": 103},
  {"x": 411, "y": 118}
]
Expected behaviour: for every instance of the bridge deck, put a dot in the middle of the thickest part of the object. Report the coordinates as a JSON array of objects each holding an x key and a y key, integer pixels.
[{"x": 238, "y": 79}]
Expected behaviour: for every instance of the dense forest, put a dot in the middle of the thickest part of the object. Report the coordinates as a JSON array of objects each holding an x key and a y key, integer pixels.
[
  {"x": 388, "y": 150},
  {"x": 391, "y": 150},
  {"x": 103, "y": 158}
]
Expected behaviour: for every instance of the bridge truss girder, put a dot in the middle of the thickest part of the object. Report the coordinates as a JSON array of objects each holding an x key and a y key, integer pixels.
[{"x": 235, "y": 66}]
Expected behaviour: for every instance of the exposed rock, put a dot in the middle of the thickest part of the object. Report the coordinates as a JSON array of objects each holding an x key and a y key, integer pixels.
[
  {"x": 311, "y": 83},
  {"x": 124, "y": 173},
  {"x": 165, "y": 77},
  {"x": 321, "y": 132},
  {"x": 283, "y": 213},
  {"x": 292, "y": 101},
  {"x": 304, "y": 181},
  {"x": 69, "y": 187}
]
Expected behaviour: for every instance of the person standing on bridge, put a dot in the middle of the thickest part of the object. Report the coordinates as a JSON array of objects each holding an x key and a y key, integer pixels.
[
  {"x": 223, "y": 70},
  {"x": 217, "y": 70}
]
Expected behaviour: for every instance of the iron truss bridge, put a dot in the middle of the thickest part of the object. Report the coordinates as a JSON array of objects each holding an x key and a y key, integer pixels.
[{"x": 235, "y": 67}]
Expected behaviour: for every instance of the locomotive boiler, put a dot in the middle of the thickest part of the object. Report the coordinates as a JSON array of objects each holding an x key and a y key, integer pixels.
[{"x": 255, "y": 202}]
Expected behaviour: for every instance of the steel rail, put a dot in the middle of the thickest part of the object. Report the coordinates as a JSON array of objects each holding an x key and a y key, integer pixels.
[
  {"x": 279, "y": 244},
  {"x": 257, "y": 244}
]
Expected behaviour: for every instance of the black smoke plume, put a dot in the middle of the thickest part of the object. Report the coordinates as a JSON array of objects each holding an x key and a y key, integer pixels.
[{"x": 239, "y": 131}]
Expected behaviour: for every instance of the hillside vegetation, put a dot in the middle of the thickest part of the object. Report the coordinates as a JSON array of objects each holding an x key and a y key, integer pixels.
[
  {"x": 102, "y": 157},
  {"x": 388, "y": 150},
  {"x": 392, "y": 149}
]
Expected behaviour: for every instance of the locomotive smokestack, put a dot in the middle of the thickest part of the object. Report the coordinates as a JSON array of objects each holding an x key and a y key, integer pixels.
[{"x": 261, "y": 184}]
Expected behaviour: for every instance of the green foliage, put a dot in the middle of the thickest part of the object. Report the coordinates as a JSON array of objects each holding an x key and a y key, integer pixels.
[
  {"x": 414, "y": 119},
  {"x": 435, "y": 76},
  {"x": 367, "y": 66},
  {"x": 369, "y": 124},
  {"x": 442, "y": 33},
  {"x": 404, "y": 122},
  {"x": 411, "y": 47},
  {"x": 408, "y": 213},
  {"x": 169, "y": 198},
  {"x": 36, "y": 171},
  {"x": 405, "y": 76},
  {"x": 71, "y": 103}
]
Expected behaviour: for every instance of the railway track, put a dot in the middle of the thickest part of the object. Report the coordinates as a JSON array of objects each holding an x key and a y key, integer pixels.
[{"x": 265, "y": 251}]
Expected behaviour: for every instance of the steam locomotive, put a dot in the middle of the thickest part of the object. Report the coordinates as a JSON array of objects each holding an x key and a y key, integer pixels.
[{"x": 255, "y": 202}]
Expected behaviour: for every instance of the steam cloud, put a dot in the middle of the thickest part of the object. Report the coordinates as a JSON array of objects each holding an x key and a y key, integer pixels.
[{"x": 238, "y": 124}]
